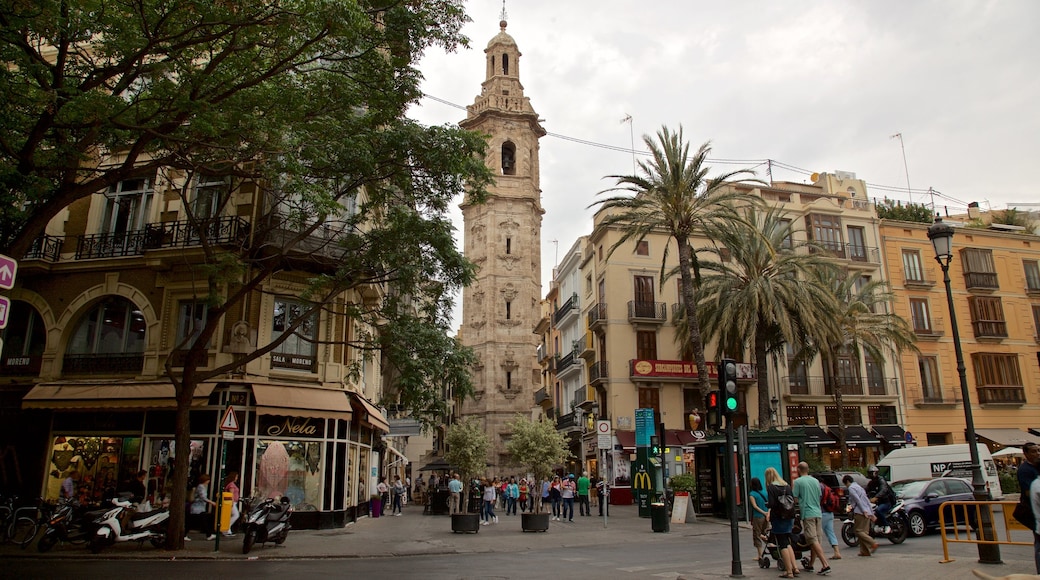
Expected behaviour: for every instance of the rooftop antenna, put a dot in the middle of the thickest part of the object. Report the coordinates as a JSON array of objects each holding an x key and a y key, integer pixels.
[
  {"x": 631, "y": 135},
  {"x": 905, "y": 170}
]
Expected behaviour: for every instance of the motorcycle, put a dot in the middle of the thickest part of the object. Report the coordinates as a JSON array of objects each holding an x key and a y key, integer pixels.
[
  {"x": 122, "y": 524},
  {"x": 897, "y": 520},
  {"x": 64, "y": 525},
  {"x": 268, "y": 521}
]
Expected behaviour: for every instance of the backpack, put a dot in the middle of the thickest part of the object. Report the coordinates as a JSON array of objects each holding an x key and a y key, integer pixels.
[
  {"x": 829, "y": 501},
  {"x": 785, "y": 505}
]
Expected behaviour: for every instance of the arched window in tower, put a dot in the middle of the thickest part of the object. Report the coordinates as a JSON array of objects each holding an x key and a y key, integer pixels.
[
  {"x": 508, "y": 158},
  {"x": 509, "y": 246},
  {"x": 509, "y": 310},
  {"x": 505, "y": 64}
]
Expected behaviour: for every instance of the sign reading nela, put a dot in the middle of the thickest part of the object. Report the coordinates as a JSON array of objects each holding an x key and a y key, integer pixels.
[{"x": 279, "y": 426}]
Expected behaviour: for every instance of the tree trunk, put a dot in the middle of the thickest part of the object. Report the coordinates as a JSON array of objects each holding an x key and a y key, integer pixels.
[
  {"x": 181, "y": 462},
  {"x": 765, "y": 417},
  {"x": 836, "y": 387},
  {"x": 689, "y": 302}
]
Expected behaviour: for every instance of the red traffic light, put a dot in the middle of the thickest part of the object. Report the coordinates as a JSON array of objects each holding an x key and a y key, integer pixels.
[{"x": 712, "y": 400}]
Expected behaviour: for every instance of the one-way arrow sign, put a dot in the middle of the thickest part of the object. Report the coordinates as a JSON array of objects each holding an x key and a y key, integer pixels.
[
  {"x": 8, "y": 270},
  {"x": 230, "y": 421}
]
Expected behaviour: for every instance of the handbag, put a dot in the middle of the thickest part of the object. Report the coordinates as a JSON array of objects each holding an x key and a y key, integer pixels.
[{"x": 1024, "y": 514}]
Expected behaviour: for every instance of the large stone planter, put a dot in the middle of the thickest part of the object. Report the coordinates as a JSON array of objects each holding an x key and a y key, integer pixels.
[
  {"x": 465, "y": 523},
  {"x": 534, "y": 522}
]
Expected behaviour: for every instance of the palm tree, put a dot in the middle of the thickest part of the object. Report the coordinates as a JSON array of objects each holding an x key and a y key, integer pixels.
[
  {"x": 763, "y": 292},
  {"x": 672, "y": 193},
  {"x": 858, "y": 323}
]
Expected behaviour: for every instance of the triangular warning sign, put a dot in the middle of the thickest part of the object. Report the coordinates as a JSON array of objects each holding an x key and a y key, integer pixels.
[{"x": 230, "y": 421}]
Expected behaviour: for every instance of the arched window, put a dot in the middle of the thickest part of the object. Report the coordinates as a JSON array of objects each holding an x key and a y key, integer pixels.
[
  {"x": 505, "y": 64},
  {"x": 24, "y": 340},
  {"x": 108, "y": 338},
  {"x": 508, "y": 158}
]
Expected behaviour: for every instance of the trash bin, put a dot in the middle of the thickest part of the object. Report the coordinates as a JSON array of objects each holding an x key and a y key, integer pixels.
[
  {"x": 659, "y": 517},
  {"x": 376, "y": 507},
  {"x": 225, "y": 512}
]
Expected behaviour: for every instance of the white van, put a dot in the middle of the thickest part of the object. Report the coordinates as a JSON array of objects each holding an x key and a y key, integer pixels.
[{"x": 939, "y": 461}]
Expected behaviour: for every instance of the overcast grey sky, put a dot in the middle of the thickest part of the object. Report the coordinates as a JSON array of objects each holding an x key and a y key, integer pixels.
[{"x": 817, "y": 86}]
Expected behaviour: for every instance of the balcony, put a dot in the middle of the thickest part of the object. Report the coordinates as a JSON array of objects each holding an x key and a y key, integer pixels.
[
  {"x": 583, "y": 346},
  {"x": 567, "y": 310},
  {"x": 647, "y": 312},
  {"x": 597, "y": 316},
  {"x": 833, "y": 249},
  {"x": 581, "y": 395},
  {"x": 541, "y": 352},
  {"x": 75, "y": 364},
  {"x": 598, "y": 373},
  {"x": 929, "y": 329},
  {"x": 930, "y": 397},
  {"x": 541, "y": 395},
  {"x": 981, "y": 281},
  {"x": 858, "y": 253},
  {"x": 818, "y": 386},
  {"x": 46, "y": 248},
  {"x": 567, "y": 364},
  {"x": 568, "y": 422},
  {"x": 923, "y": 278},
  {"x": 989, "y": 328},
  {"x": 177, "y": 234},
  {"x": 1001, "y": 395}
]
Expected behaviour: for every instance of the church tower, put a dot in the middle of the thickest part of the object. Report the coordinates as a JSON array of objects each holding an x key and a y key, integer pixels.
[{"x": 503, "y": 238}]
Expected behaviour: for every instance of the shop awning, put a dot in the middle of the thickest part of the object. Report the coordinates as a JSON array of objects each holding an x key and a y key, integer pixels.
[
  {"x": 109, "y": 396},
  {"x": 305, "y": 401},
  {"x": 1007, "y": 437},
  {"x": 892, "y": 434},
  {"x": 1035, "y": 430},
  {"x": 626, "y": 439},
  {"x": 817, "y": 436},
  {"x": 370, "y": 412},
  {"x": 401, "y": 459},
  {"x": 856, "y": 435},
  {"x": 690, "y": 438}
]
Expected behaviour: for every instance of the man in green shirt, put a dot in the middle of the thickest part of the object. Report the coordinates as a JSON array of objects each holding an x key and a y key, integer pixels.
[
  {"x": 807, "y": 490},
  {"x": 584, "y": 508}
]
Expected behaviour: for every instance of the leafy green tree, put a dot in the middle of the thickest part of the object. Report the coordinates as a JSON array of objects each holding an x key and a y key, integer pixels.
[
  {"x": 763, "y": 293},
  {"x": 859, "y": 323},
  {"x": 301, "y": 101},
  {"x": 672, "y": 193},
  {"x": 888, "y": 209},
  {"x": 536, "y": 446},
  {"x": 468, "y": 447}
]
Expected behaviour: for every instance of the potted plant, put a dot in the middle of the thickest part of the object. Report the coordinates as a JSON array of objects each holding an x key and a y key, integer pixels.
[
  {"x": 537, "y": 446},
  {"x": 467, "y": 451},
  {"x": 683, "y": 486}
]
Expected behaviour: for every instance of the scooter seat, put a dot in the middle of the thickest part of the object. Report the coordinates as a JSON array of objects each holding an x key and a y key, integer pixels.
[{"x": 142, "y": 515}]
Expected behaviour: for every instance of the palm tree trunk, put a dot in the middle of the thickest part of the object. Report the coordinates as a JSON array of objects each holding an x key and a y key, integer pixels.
[
  {"x": 836, "y": 387},
  {"x": 688, "y": 290},
  {"x": 765, "y": 417}
]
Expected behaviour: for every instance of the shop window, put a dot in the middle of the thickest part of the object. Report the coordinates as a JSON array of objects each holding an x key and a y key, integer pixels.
[
  {"x": 94, "y": 467},
  {"x": 853, "y": 415},
  {"x": 110, "y": 337},
  {"x": 300, "y": 348},
  {"x": 290, "y": 468},
  {"x": 802, "y": 415},
  {"x": 24, "y": 340},
  {"x": 882, "y": 415}
]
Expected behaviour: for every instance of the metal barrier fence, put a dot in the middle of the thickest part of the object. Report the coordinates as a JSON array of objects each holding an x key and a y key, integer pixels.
[{"x": 963, "y": 513}]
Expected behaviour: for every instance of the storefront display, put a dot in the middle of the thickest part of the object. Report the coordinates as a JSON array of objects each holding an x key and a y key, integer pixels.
[{"x": 97, "y": 466}]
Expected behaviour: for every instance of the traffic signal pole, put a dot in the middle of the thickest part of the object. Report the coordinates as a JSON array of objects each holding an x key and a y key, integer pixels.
[{"x": 730, "y": 406}]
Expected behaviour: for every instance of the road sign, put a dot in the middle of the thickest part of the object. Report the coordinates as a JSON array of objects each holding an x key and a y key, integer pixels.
[
  {"x": 5, "y": 309},
  {"x": 8, "y": 270},
  {"x": 230, "y": 421},
  {"x": 228, "y": 435},
  {"x": 603, "y": 434}
]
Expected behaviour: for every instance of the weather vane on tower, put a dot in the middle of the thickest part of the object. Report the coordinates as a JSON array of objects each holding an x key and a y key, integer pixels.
[{"x": 503, "y": 16}]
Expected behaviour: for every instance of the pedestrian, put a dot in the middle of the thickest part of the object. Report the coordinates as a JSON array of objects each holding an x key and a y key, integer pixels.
[
  {"x": 1027, "y": 478},
  {"x": 398, "y": 494},
  {"x": 524, "y": 494},
  {"x": 603, "y": 492},
  {"x": 567, "y": 492},
  {"x": 490, "y": 496},
  {"x": 830, "y": 504},
  {"x": 231, "y": 486},
  {"x": 455, "y": 494},
  {"x": 1034, "y": 495},
  {"x": 384, "y": 493},
  {"x": 777, "y": 488},
  {"x": 512, "y": 497},
  {"x": 408, "y": 490},
  {"x": 584, "y": 507},
  {"x": 544, "y": 497},
  {"x": 759, "y": 513},
  {"x": 555, "y": 490},
  {"x": 862, "y": 515},
  {"x": 200, "y": 505},
  {"x": 807, "y": 490}
]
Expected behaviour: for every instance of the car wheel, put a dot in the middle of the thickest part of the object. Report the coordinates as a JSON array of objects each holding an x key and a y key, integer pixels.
[{"x": 917, "y": 524}]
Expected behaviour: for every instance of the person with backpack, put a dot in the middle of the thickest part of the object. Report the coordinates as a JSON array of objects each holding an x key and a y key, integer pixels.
[
  {"x": 830, "y": 504},
  {"x": 807, "y": 490},
  {"x": 781, "y": 506}
]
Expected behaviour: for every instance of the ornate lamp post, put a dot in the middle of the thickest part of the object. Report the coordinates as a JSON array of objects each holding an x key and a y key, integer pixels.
[{"x": 941, "y": 235}]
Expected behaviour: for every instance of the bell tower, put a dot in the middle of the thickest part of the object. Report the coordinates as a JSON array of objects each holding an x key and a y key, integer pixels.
[{"x": 503, "y": 238}]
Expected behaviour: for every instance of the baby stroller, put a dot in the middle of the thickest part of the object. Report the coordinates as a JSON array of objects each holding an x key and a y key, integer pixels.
[{"x": 773, "y": 549}]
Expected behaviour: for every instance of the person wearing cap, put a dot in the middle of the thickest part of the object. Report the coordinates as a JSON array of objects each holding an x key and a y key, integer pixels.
[{"x": 567, "y": 493}]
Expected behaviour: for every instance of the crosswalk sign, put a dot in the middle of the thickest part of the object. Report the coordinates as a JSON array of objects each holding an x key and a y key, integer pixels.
[{"x": 230, "y": 421}]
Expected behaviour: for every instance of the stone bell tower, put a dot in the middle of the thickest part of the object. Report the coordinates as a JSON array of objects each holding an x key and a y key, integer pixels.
[{"x": 503, "y": 238}]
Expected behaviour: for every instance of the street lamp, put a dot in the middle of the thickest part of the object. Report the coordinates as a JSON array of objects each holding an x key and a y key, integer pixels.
[{"x": 941, "y": 235}]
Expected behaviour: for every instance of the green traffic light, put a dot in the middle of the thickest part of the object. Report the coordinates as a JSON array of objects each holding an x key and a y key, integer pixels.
[{"x": 731, "y": 404}]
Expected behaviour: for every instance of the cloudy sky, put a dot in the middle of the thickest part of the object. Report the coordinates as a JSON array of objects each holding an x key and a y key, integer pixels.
[{"x": 814, "y": 86}]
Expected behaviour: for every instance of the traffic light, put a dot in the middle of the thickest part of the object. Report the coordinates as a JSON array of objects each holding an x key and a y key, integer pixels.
[
  {"x": 655, "y": 446},
  {"x": 728, "y": 387},
  {"x": 711, "y": 407}
]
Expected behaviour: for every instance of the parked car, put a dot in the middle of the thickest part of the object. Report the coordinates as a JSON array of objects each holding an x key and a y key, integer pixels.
[
  {"x": 833, "y": 480},
  {"x": 922, "y": 498}
]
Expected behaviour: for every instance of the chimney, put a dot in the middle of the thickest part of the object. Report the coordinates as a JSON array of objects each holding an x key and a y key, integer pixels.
[{"x": 973, "y": 210}]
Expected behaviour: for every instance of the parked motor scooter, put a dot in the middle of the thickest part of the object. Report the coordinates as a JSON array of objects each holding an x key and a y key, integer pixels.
[
  {"x": 123, "y": 524},
  {"x": 268, "y": 521},
  {"x": 897, "y": 520},
  {"x": 67, "y": 524}
]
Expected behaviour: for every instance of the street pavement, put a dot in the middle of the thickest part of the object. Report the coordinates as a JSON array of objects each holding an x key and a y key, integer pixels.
[{"x": 415, "y": 535}]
